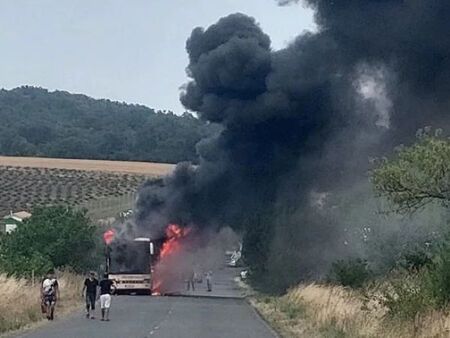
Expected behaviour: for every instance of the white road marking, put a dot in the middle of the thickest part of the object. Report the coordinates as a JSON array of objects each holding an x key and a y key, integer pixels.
[{"x": 156, "y": 328}]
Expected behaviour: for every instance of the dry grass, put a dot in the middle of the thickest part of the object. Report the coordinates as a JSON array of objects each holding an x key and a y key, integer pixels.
[
  {"x": 332, "y": 311},
  {"x": 140, "y": 168},
  {"x": 20, "y": 301}
]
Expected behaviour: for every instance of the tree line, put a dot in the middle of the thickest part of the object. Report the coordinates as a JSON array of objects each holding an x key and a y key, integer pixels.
[{"x": 36, "y": 122}]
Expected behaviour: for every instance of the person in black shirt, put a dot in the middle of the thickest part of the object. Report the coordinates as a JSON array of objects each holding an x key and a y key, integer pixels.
[
  {"x": 90, "y": 293},
  {"x": 105, "y": 296}
]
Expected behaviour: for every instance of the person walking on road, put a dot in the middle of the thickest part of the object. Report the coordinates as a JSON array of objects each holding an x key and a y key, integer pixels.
[
  {"x": 191, "y": 280},
  {"x": 106, "y": 286},
  {"x": 90, "y": 294},
  {"x": 209, "y": 280},
  {"x": 49, "y": 294}
]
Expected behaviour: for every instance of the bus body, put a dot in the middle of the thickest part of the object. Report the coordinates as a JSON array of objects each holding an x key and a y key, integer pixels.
[{"x": 129, "y": 263}]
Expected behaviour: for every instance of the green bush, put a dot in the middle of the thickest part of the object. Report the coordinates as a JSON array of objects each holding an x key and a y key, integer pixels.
[
  {"x": 52, "y": 237},
  {"x": 437, "y": 277},
  {"x": 415, "y": 259},
  {"x": 405, "y": 296},
  {"x": 353, "y": 272},
  {"x": 24, "y": 266},
  {"x": 413, "y": 292}
]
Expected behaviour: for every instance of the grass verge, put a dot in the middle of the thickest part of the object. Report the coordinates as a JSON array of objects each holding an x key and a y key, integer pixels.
[
  {"x": 20, "y": 301},
  {"x": 333, "y": 311}
]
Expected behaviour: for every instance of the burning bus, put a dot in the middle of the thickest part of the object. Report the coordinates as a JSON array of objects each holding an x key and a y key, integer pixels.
[
  {"x": 130, "y": 263},
  {"x": 143, "y": 265}
]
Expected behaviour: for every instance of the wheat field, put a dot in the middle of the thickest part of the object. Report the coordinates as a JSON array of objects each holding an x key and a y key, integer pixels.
[{"x": 140, "y": 168}]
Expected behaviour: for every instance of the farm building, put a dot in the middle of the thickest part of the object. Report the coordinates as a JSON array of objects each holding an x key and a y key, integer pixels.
[{"x": 10, "y": 222}]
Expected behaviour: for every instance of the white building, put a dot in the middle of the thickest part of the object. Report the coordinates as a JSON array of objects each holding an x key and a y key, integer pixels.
[{"x": 10, "y": 222}]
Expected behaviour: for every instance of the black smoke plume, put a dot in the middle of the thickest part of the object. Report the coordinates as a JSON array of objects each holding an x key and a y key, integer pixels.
[{"x": 301, "y": 122}]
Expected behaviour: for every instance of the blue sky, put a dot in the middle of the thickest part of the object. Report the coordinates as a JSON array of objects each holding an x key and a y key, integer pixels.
[{"x": 132, "y": 51}]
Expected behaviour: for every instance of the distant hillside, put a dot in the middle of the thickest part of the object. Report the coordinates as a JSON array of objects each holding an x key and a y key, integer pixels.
[{"x": 36, "y": 122}]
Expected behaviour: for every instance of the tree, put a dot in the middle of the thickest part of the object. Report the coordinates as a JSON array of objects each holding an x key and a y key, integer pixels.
[
  {"x": 52, "y": 237},
  {"x": 416, "y": 175},
  {"x": 36, "y": 122}
]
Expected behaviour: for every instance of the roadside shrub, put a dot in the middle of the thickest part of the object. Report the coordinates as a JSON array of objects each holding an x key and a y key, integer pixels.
[
  {"x": 52, "y": 237},
  {"x": 437, "y": 277},
  {"x": 414, "y": 260},
  {"x": 417, "y": 291},
  {"x": 353, "y": 272},
  {"x": 405, "y": 296},
  {"x": 24, "y": 266}
]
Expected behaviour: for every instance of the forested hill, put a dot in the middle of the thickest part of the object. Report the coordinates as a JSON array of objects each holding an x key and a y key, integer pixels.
[{"x": 36, "y": 122}]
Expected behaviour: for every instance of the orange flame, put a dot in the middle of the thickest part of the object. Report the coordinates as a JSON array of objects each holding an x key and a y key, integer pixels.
[
  {"x": 108, "y": 236},
  {"x": 172, "y": 246}
]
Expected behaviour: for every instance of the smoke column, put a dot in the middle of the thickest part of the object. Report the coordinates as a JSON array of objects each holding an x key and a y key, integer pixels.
[{"x": 301, "y": 122}]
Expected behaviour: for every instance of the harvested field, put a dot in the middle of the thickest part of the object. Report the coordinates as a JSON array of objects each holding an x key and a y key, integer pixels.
[
  {"x": 140, "y": 168},
  {"x": 27, "y": 182}
]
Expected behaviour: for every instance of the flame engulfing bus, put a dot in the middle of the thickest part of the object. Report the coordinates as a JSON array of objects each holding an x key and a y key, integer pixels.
[{"x": 129, "y": 263}]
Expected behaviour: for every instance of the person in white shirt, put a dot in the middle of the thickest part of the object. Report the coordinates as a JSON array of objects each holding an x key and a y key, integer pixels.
[{"x": 50, "y": 294}]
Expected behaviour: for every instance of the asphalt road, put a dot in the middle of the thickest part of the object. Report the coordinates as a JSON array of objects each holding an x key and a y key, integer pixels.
[{"x": 163, "y": 317}]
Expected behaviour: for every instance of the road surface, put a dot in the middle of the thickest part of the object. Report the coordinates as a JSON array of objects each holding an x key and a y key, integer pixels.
[
  {"x": 163, "y": 317},
  {"x": 224, "y": 285},
  {"x": 222, "y": 313}
]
